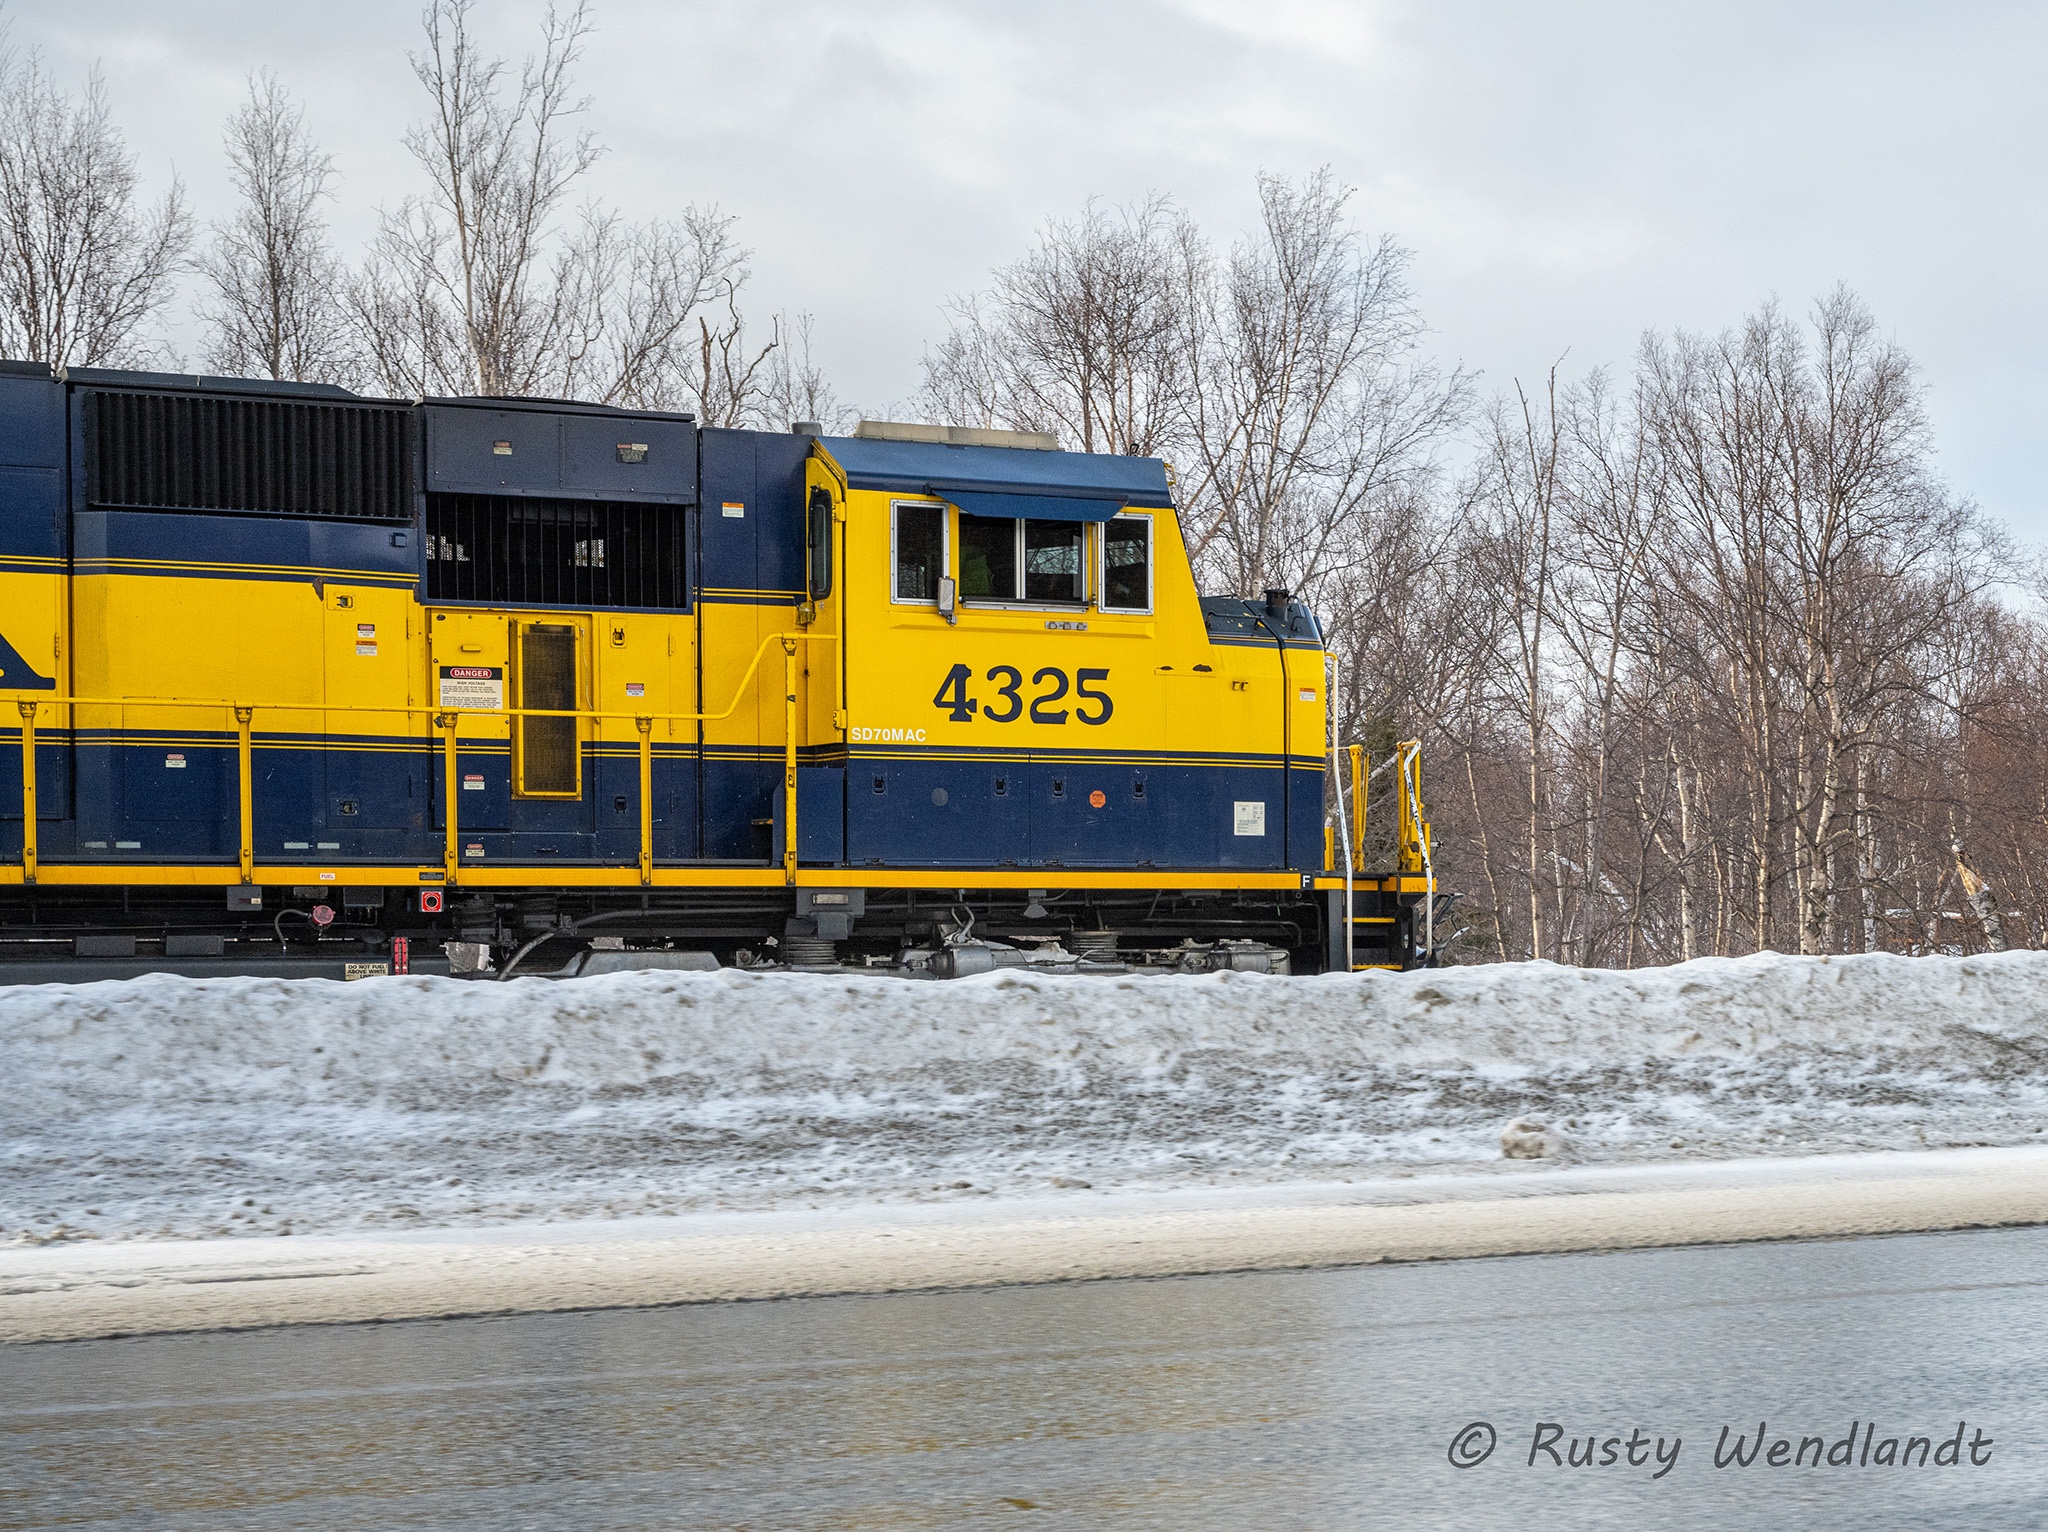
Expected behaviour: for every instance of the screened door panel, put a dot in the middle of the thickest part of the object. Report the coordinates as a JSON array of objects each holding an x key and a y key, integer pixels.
[{"x": 549, "y": 759}]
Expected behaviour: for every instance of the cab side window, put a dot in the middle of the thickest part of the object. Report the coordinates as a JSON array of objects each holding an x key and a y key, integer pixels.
[
  {"x": 917, "y": 551},
  {"x": 1052, "y": 561},
  {"x": 818, "y": 543},
  {"x": 988, "y": 559},
  {"x": 1022, "y": 559},
  {"x": 1127, "y": 564}
]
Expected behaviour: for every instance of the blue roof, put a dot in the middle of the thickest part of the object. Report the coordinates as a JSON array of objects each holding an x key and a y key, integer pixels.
[{"x": 934, "y": 468}]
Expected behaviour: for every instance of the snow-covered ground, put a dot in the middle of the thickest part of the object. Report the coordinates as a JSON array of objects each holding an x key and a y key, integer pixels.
[{"x": 181, "y": 1108}]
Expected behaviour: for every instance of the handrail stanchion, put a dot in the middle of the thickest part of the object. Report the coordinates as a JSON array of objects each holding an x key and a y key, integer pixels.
[
  {"x": 28, "y": 790},
  {"x": 1332, "y": 691},
  {"x": 451, "y": 785},
  {"x": 1358, "y": 797},
  {"x": 1411, "y": 792},
  {"x": 789, "y": 762},
  {"x": 646, "y": 728},
  {"x": 245, "y": 771}
]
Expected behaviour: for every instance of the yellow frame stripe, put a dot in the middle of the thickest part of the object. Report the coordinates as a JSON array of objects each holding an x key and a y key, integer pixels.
[
  {"x": 387, "y": 576},
  {"x": 476, "y": 875}
]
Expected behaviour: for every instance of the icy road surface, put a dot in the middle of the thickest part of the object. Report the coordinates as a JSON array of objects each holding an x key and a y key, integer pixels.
[
  {"x": 1276, "y": 1401},
  {"x": 177, "y": 1107}
]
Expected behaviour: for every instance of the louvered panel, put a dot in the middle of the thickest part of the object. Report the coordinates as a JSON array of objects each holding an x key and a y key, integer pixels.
[{"x": 275, "y": 457}]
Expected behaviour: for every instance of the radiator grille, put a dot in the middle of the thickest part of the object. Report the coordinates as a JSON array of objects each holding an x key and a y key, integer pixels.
[
  {"x": 580, "y": 554},
  {"x": 276, "y": 457}
]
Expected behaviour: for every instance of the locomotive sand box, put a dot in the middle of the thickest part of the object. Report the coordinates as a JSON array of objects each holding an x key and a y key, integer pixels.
[{"x": 312, "y": 684}]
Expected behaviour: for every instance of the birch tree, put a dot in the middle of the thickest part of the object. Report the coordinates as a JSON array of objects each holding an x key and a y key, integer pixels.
[
  {"x": 485, "y": 285},
  {"x": 86, "y": 267},
  {"x": 275, "y": 309},
  {"x": 1310, "y": 411},
  {"x": 1085, "y": 336}
]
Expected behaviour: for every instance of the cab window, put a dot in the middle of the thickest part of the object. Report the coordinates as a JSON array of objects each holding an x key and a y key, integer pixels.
[
  {"x": 988, "y": 559},
  {"x": 1127, "y": 563},
  {"x": 917, "y": 551},
  {"x": 1052, "y": 561},
  {"x": 1022, "y": 560},
  {"x": 818, "y": 544}
]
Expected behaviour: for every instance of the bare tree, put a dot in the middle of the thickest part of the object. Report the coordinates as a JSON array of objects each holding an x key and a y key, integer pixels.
[
  {"x": 1747, "y": 683},
  {"x": 733, "y": 379},
  {"x": 501, "y": 164},
  {"x": 1085, "y": 336},
  {"x": 1309, "y": 408},
  {"x": 629, "y": 294},
  {"x": 1516, "y": 565},
  {"x": 797, "y": 389},
  {"x": 276, "y": 309},
  {"x": 411, "y": 343},
  {"x": 1832, "y": 556},
  {"x": 473, "y": 288},
  {"x": 83, "y": 267},
  {"x": 1286, "y": 381}
]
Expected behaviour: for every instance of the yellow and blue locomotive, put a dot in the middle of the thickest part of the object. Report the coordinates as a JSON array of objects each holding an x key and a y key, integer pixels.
[{"x": 300, "y": 681}]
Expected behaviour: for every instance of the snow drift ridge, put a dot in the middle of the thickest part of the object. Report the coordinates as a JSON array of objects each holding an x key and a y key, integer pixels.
[
  {"x": 199, "y": 1039},
  {"x": 177, "y": 1106}
]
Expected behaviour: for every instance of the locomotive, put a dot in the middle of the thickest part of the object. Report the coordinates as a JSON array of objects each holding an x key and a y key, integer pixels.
[{"x": 300, "y": 681}]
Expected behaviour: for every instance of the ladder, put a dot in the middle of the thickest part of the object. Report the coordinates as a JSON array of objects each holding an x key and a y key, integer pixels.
[{"x": 1382, "y": 921}]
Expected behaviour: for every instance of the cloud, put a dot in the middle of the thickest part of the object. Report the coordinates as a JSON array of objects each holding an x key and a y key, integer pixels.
[
  {"x": 1567, "y": 177},
  {"x": 1331, "y": 28}
]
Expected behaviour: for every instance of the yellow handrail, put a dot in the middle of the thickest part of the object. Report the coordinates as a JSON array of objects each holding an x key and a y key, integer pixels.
[
  {"x": 1412, "y": 855},
  {"x": 448, "y": 720},
  {"x": 47, "y": 699},
  {"x": 1414, "y": 849}
]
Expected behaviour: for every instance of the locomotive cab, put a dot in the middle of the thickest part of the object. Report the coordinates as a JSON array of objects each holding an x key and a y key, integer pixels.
[{"x": 1030, "y": 679}]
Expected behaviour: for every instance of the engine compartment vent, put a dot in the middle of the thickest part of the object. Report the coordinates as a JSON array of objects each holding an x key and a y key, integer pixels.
[
  {"x": 524, "y": 550},
  {"x": 242, "y": 456}
]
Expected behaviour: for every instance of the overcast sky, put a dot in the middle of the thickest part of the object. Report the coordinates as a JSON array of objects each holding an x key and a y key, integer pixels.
[{"x": 1567, "y": 175}]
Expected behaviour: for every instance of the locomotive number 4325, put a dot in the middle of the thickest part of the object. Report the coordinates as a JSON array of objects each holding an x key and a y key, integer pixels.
[{"x": 1092, "y": 705}]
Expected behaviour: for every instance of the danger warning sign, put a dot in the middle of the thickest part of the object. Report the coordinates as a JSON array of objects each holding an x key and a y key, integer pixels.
[{"x": 473, "y": 687}]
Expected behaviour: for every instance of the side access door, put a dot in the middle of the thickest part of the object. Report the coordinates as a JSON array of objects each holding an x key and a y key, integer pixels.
[{"x": 470, "y": 660}]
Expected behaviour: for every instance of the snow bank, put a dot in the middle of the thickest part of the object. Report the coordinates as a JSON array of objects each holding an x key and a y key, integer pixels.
[{"x": 176, "y": 1106}]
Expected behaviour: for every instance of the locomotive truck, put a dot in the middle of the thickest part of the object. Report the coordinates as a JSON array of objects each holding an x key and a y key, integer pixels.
[{"x": 298, "y": 681}]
